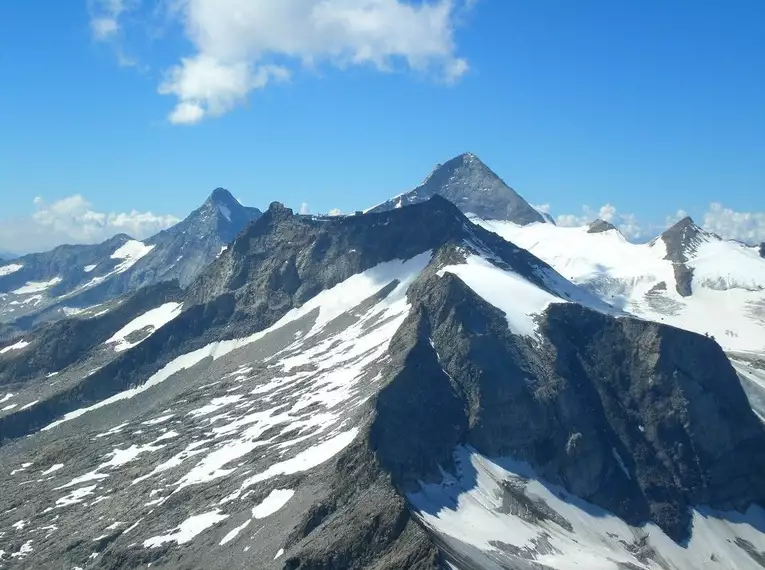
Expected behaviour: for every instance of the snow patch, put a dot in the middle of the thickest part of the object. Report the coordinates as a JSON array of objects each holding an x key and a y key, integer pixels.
[
  {"x": 467, "y": 511},
  {"x": 8, "y": 269},
  {"x": 37, "y": 286},
  {"x": 308, "y": 459},
  {"x": 18, "y": 346},
  {"x": 76, "y": 496},
  {"x": 52, "y": 469},
  {"x": 518, "y": 298},
  {"x": 234, "y": 533},
  {"x": 225, "y": 211},
  {"x": 153, "y": 319},
  {"x": 275, "y": 500},
  {"x": 188, "y": 529}
]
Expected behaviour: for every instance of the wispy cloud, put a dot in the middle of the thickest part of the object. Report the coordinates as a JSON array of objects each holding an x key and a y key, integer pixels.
[
  {"x": 74, "y": 220},
  {"x": 105, "y": 17}
]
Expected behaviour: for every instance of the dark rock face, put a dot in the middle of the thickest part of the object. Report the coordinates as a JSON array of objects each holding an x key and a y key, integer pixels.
[
  {"x": 683, "y": 279},
  {"x": 600, "y": 226},
  {"x": 682, "y": 241},
  {"x": 473, "y": 188},
  {"x": 283, "y": 260},
  {"x": 762, "y": 250},
  {"x": 639, "y": 418}
]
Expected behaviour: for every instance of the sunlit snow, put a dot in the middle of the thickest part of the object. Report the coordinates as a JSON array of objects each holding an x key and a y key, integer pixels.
[
  {"x": 469, "y": 510},
  {"x": 187, "y": 530},
  {"x": 153, "y": 320},
  {"x": 36, "y": 286},
  {"x": 728, "y": 285},
  {"x": 8, "y": 269}
]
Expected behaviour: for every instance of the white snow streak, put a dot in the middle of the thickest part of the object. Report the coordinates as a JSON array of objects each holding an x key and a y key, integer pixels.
[
  {"x": 18, "y": 346},
  {"x": 8, "y": 269},
  {"x": 275, "y": 500},
  {"x": 154, "y": 319},
  {"x": 187, "y": 530},
  {"x": 37, "y": 286}
]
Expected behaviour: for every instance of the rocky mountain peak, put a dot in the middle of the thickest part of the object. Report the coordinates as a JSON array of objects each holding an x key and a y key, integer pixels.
[
  {"x": 600, "y": 226},
  {"x": 474, "y": 188},
  {"x": 222, "y": 196},
  {"x": 682, "y": 239}
]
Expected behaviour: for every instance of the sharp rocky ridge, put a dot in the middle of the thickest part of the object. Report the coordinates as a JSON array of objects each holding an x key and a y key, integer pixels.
[{"x": 403, "y": 389}]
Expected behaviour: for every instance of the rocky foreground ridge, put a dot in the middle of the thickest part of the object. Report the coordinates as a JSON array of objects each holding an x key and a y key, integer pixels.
[{"x": 331, "y": 393}]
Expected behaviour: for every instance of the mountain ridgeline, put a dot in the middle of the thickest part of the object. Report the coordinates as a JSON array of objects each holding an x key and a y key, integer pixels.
[
  {"x": 72, "y": 279},
  {"x": 385, "y": 344}
]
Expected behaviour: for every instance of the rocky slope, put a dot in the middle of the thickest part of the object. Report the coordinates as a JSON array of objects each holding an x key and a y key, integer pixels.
[
  {"x": 69, "y": 279},
  {"x": 397, "y": 390},
  {"x": 473, "y": 187}
]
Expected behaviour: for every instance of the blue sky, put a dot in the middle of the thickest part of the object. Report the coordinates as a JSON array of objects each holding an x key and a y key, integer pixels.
[{"x": 650, "y": 106}]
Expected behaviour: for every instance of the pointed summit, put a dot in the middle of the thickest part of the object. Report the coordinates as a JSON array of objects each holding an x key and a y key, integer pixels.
[
  {"x": 221, "y": 196},
  {"x": 183, "y": 250},
  {"x": 474, "y": 188},
  {"x": 599, "y": 226},
  {"x": 682, "y": 240}
]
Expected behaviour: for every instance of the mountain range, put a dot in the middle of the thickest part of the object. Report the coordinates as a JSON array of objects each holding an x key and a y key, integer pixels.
[
  {"x": 447, "y": 381},
  {"x": 74, "y": 279}
]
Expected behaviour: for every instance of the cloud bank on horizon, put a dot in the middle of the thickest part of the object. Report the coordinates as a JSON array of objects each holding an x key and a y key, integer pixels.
[
  {"x": 747, "y": 227},
  {"x": 73, "y": 220},
  {"x": 244, "y": 45}
]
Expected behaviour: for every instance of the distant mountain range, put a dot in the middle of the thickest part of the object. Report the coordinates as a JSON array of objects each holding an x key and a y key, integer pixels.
[
  {"x": 74, "y": 279},
  {"x": 426, "y": 386}
]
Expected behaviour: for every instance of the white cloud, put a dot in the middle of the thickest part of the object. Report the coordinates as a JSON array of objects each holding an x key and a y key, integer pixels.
[
  {"x": 207, "y": 86},
  {"x": 73, "y": 220},
  {"x": 105, "y": 17},
  {"x": 305, "y": 209},
  {"x": 628, "y": 224},
  {"x": 748, "y": 227},
  {"x": 243, "y": 45},
  {"x": 335, "y": 212}
]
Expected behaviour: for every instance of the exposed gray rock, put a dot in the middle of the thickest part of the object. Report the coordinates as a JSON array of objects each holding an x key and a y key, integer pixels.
[
  {"x": 641, "y": 419},
  {"x": 667, "y": 401},
  {"x": 473, "y": 188},
  {"x": 762, "y": 249},
  {"x": 600, "y": 226},
  {"x": 682, "y": 241}
]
